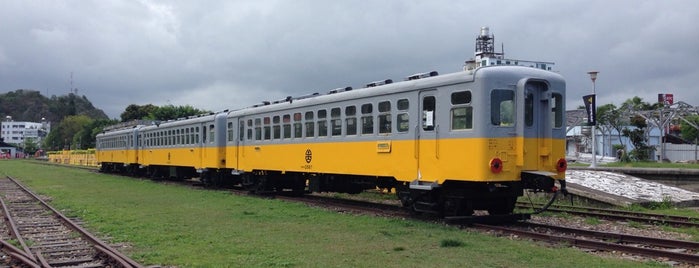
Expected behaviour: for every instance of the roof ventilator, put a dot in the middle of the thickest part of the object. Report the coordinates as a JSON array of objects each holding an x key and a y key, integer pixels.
[
  {"x": 422, "y": 75},
  {"x": 338, "y": 90},
  {"x": 379, "y": 83}
]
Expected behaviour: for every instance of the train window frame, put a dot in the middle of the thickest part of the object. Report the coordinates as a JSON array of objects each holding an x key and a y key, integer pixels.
[
  {"x": 402, "y": 122},
  {"x": 276, "y": 128},
  {"x": 502, "y": 107},
  {"x": 298, "y": 125},
  {"x": 286, "y": 126},
  {"x": 231, "y": 132},
  {"x": 309, "y": 124},
  {"x": 322, "y": 123},
  {"x": 557, "y": 110},
  {"x": 212, "y": 133},
  {"x": 529, "y": 109},
  {"x": 241, "y": 130},
  {"x": 403, "y": 104},
  {"x": 266, "y": 128},
  {"x": 384, "y": 117},
  {"x": 367, "y": 119},
  {"x": 336, "y": 122},
  {"x": 429, "y": 106},
  {"x": 351, "y": 120},
  {"x": 258, "y": 129},
  {"x": 461, "y": 112}
]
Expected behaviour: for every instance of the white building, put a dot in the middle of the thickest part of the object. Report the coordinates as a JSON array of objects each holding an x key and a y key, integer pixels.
[{"x": 15, "y": 132}]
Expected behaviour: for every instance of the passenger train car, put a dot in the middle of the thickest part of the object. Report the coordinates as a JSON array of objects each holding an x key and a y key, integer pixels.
[{"x": 451, "y": 144}]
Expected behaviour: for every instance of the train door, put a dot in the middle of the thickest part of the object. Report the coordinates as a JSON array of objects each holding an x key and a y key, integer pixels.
[
  {"x": 537, "y": 128},
  {"x": 427, "y": 137}
]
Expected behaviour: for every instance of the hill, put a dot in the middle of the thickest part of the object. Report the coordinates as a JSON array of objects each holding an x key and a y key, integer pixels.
[{"x": 30, "y": 105}]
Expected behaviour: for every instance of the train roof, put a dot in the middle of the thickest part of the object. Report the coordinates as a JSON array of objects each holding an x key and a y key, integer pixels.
[{"x": 377, "y": 88}]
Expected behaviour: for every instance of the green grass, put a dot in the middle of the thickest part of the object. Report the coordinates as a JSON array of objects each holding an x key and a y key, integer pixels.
[
  {"x": 173, "y": 225},
  {"x": 650, "y": 165}
]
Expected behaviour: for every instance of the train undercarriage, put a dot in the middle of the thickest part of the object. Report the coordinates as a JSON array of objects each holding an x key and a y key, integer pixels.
[{"x": 452, "y": 198}]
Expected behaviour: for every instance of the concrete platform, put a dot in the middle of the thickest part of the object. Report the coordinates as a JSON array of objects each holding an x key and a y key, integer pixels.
[{"x": 623, "y": 190}]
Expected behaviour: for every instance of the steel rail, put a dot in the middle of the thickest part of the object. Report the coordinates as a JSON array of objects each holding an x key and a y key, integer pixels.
[
  {"x": 623, "y": 215},
  {"x": 621, "y": 238},
  {"x": 15, "y": 231},
  {"x": 600, "y": 245},
  {"x": 82, "y": 231},
  {"x": 18, "y": 254}
]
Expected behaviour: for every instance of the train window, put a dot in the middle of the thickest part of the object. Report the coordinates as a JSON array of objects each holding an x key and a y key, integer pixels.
[
  {"x": 276, "y": 128},
  {"x": 557, "y": 109},
  {"x": 249, "y": 129},
  {"x": 402, "y": 122},
  {"x": 267, "y": 130},
  {"x": 502, "y": 106},
  {"x": 196, "y": 136},
  {"x": 187, "y": 140},
  {"x": 351, "y": 120},
  {"x": 385, "y": 117},
  {"x": 367, "y": 119},
  {"x": 384, "y": 106},
  {"x": 428, "y": 112},
  {"x": 204, "y": 136},
  {"x": 529, "y": 109},
  {"x": 258, "y": 129},
  {"x": 229, "y": 132},
  {"x": 462, "y": 97},
  {"x": 403, "y": 104},
  {"x": 211, "y": 132},
  {"x": 310, "y": 127},
  {"x": 287, "y": 126},
  {"x": 335, "y": 121},
  {"x": 462, "y": 117},
  {"x": 298, "y": 127},
  {"x": 366, "y": 108},
  {"x": 178, "y": 138},
  {"x": 322, "y": 123},
  {"x": 241, "y": 130}
]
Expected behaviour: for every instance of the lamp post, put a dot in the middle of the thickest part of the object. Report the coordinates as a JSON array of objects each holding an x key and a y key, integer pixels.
[{"x": 593, "y": 77}]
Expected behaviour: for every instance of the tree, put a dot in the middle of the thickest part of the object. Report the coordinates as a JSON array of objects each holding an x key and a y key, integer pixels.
[
  {"x": 137, "y": 112},
  {"x": 688, "y": 131},
  {"x": 163, "y": 113},
  {"x": 62, "y": 136},
  {"x": 641, "y": 151}
]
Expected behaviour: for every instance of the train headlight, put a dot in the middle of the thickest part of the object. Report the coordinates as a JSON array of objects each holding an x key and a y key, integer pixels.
[
  {"x": 496, "y": 165},
  {"x": 562, "y": 165}
]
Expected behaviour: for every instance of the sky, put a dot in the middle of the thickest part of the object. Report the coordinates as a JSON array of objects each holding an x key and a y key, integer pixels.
[{"x": 216, "y": 55}]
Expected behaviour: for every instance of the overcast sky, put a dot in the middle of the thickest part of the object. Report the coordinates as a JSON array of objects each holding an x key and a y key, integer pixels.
[{"x": 217, "y": 55}]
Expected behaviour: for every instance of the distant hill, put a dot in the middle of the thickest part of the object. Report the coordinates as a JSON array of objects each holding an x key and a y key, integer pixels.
[{"x": 30, "y": 105}]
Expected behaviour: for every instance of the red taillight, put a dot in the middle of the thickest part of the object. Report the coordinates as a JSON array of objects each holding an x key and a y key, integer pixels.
[
  {"x": 562, "y": 165},
  {"x": 495, "y": 165}
]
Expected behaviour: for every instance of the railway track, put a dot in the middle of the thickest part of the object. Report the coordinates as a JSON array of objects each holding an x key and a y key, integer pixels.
[
  {"x": 614, "y": 214},
  {"x": 663, "y": 249},
  {"x": 47, "y": 238},
  {"x": 667, "y": 250}
]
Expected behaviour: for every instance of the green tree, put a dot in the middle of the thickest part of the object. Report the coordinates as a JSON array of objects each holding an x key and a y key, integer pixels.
[
  {"x": 62, "y": 136},
  {"x": 637, "y": 136},
  {"x": 688, "y": 131},
  {"x": 137, "y": 112}
]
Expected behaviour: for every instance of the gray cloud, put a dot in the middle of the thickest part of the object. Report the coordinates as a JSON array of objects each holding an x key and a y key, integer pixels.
[{"x": 232, "y": 54}]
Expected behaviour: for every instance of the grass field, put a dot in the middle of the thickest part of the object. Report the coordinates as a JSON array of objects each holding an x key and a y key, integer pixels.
[{"x": 173, "y": 225}]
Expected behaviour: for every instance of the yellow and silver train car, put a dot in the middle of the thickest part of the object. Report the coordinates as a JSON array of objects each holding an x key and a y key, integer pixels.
[{"x": 452, "y": 144}]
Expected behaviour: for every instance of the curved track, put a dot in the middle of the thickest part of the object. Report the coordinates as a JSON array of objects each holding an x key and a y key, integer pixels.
[{"x": 49, "y": 239}]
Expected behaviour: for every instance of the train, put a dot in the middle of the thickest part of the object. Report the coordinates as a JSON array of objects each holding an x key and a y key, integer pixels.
[{"x": 451, "y": 144}]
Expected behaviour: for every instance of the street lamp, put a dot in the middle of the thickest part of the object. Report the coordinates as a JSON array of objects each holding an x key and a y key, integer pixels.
[{"x": 593, "y": 77}]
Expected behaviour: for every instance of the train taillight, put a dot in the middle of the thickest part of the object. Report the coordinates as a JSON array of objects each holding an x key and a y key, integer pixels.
[
  {"x": 496, "y": 165},
  {"x": 562, "y": 165}
]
